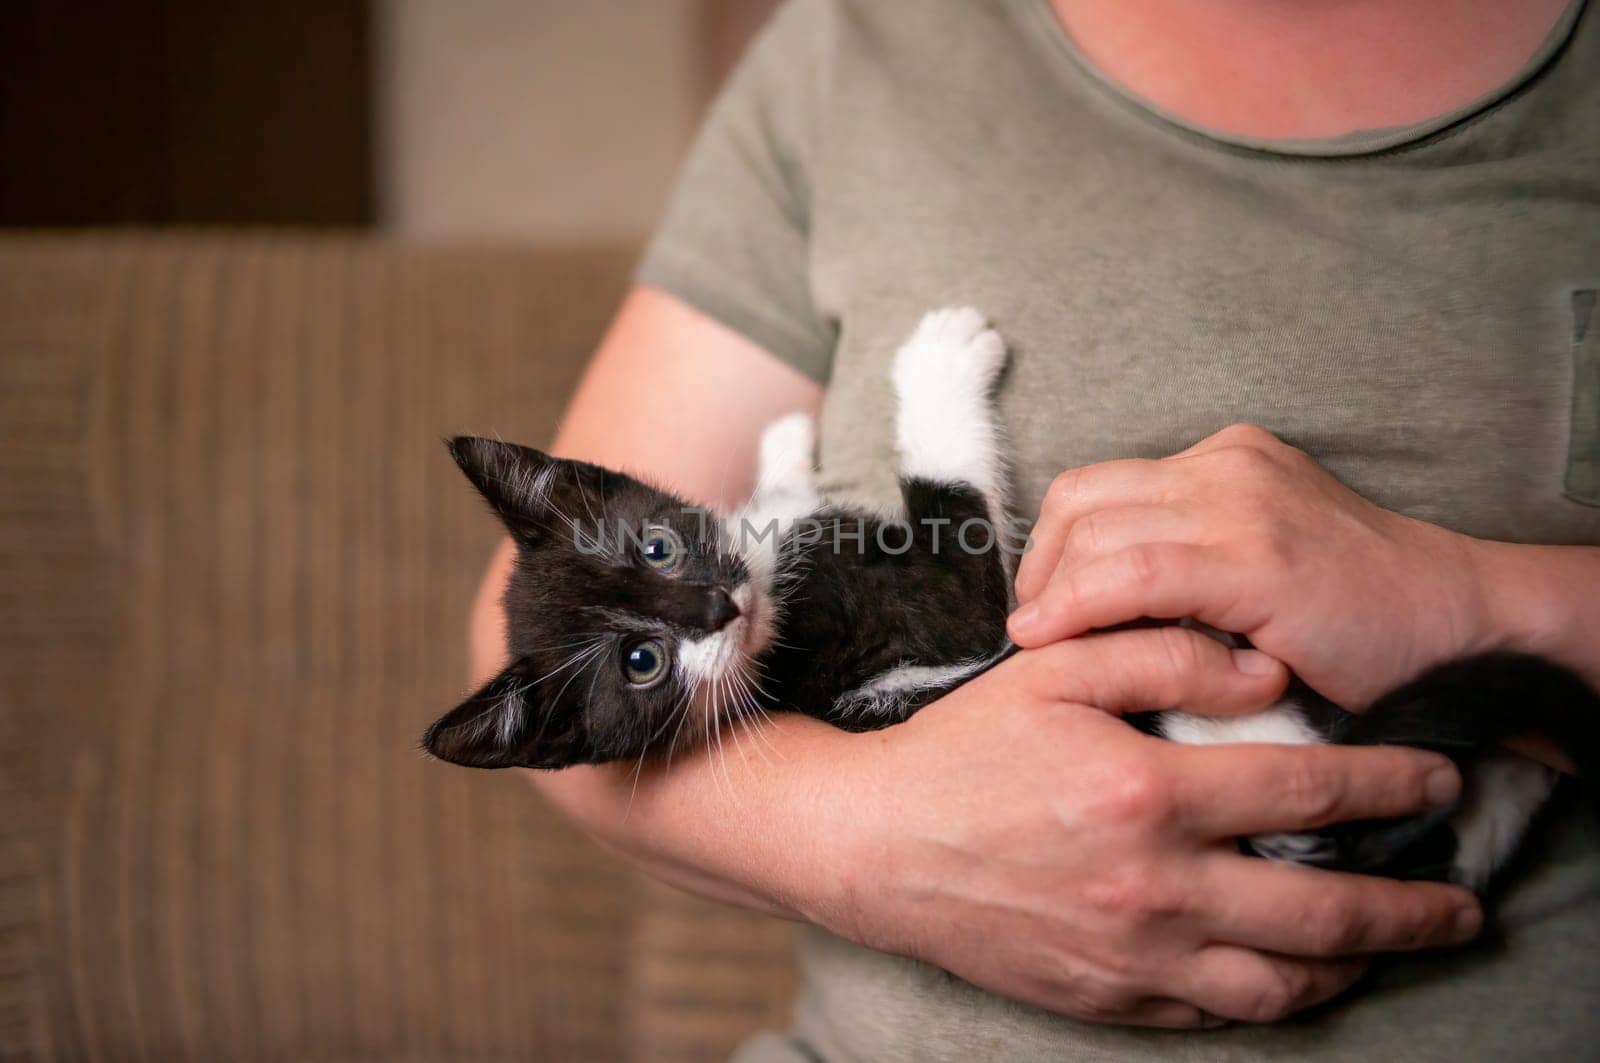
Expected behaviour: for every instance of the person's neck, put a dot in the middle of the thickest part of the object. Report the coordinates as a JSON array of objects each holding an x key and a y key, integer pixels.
[{"x": 1295, "y": 69}]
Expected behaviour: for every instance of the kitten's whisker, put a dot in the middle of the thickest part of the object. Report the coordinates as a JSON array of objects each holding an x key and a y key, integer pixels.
[
  {"x": 681, "y": 709},
  {"x": 734, "y": 720},
  {"x": 703, "y": 698},
  {"x": 638, "y": 770},
  {"x": 753, "y": 687},
  {"x": 763, "y": 720},
  {"x": 749, "y": 716},
  {"x": 563, "y": 645},
  {"x": 722, "y": 750},
  {"x": 576, "y": 672},
  {"x": 659, "y": 731},
  {"x": 582, "y": 659},
  {"x": 716, "y": 722},
  {"x": 593, "y": 645},
  {"x": 754, "y": 684},
  {"x": 583, "y": 496}
]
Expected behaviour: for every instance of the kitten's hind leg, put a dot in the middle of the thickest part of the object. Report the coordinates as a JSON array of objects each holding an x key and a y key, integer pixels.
[
  {"x": 1503, "y": 793},
  {"x": 1464, "y": 709},
  {"x": 947, "y": 428}
]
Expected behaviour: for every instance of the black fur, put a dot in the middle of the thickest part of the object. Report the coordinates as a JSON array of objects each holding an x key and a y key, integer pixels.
[
  {"x": 547, "y": 709},
  {"x": 903, "y": 598}
]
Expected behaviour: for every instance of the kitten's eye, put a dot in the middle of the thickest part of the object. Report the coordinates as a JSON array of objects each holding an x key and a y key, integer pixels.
[
  {"x": 661, "y": 548},
  {"x": 645, "y": 662}
]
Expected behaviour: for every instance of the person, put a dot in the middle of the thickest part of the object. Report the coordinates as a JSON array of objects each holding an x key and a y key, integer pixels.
[{"x": 1372, "y": 230}]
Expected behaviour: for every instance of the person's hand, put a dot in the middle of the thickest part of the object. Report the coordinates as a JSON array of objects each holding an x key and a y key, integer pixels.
[
  {"x": 1248, "y": 534},
  {"x": 1046, "y": 850}
]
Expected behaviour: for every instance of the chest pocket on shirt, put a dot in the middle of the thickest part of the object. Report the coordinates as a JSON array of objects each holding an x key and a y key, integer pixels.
[{"x": 1583, "y": 450}]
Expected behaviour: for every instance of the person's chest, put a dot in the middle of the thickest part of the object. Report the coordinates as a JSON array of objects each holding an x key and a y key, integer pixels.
[
  {"x": 1415, "y": 328},
  {"x": 1308, "y": 71}
]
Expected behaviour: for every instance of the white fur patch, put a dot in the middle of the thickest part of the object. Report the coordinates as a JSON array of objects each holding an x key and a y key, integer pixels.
[
  {"x": 538, "y": 489},
  {"x": 707, "y": 659},
  {"x": 1282, "y": 725},
  {"x": 714, "y": 657},
  {"x": 1501, "y": 795},
  {"x": 887, "y": 696},
  {"x": 943, "y": 376},
  {"x": 509, "y": 714},
  {"x": 785, "y": 492},
  {"x": 1293, "y": 848},
  {"x": 716, "y": 671},
  {"x": 788, "y": 455}
]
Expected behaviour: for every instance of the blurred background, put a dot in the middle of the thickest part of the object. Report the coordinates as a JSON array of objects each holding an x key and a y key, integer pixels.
[
  {"x": 256, "y": 259},
  {"x": 500, "y": 119}
]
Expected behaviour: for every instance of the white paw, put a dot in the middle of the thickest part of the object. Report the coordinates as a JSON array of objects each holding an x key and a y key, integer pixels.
[
  {"x": 944, "y": 381},
  {"x": 785, "y": 491},
  {"x": 789, "y": 442},
  {"x": 953, "y": 346}
]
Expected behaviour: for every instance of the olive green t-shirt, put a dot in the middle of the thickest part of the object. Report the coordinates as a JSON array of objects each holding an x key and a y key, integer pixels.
[{"x": 1415, "y": 307}]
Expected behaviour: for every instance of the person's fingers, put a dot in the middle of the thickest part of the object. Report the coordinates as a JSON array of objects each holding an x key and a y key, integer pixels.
[
  {"x": 1109, "y": 531},
  {"x": 1229, "y": 791},
  {"x": 1039, "y": 560},
  {"x": 1162, "y": 580},
  {"x": 1071, "y": 495},
  {"x": 1154, "y": 668},
  {"x": 1167, "y": 1014},
  {"x": 1112, "y": 484},
  {"x": 1308, "y": 912},
  {"x": 1235, "y": 435},
  {"x": 1249, "y": 986}
]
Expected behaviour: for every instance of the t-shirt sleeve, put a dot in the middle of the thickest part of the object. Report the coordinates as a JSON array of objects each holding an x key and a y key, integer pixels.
[{"x": 735, "y": 239}]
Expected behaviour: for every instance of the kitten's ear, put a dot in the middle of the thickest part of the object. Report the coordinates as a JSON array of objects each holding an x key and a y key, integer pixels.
[
  {"x": 508, "y": 723},
  {"x": 514, "y": 480}
]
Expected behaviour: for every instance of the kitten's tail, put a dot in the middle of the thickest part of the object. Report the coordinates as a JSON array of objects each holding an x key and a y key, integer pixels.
[
  {"x": 1467, "y": 707},
  {"x": 1464, "y": 709}
]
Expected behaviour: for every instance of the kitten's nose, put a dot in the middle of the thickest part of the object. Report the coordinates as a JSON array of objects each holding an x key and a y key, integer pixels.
[{"x": 720, "y": 609}]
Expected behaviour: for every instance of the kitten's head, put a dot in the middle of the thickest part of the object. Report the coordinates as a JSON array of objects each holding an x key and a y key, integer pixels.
[{"x": 629, "y": 620}]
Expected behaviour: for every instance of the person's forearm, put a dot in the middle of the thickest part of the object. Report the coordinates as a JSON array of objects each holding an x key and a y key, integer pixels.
[
  {"x": 739, "y": 827},
  {"x": 1545, "y": 600}
]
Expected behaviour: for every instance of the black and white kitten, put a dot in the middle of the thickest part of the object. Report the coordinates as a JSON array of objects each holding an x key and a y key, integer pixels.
[{"x": 636, "y": 621}]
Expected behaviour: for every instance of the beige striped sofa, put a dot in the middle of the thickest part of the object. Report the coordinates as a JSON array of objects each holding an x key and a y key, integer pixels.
[{"x": 236, "y": 565}]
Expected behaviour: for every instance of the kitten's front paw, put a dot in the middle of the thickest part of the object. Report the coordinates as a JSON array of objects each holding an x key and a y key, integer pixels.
[
  {"x": 789, "y": 442},
  {"x": 950, "y": 346}
]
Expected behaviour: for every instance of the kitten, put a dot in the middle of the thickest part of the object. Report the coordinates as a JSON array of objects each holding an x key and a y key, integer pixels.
[{"x": 637, "y": 622}]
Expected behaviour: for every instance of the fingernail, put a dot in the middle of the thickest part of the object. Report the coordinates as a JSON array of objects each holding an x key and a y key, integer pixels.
[
  {"x": 1024, "y": 618},
  {"x": 1442, "y": 786},
  {"x": 1254, "y": 662},
  {"x": 1468, "y": 922}
]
